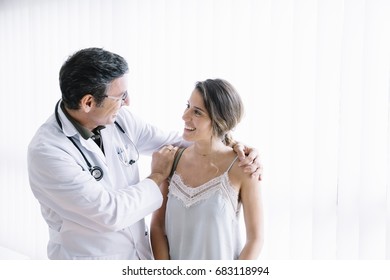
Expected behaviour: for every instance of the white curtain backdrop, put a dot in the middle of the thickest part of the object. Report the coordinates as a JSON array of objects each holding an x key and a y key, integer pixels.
[{"x": 314, "y": 76}]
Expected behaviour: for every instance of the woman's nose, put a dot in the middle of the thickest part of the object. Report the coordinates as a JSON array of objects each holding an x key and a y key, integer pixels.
[{"x": 185, "y": 115}]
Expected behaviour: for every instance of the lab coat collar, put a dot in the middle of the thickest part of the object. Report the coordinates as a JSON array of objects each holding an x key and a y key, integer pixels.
[
  {"x": 67, "y": 126},
  {"x": 70, "y": 130}
]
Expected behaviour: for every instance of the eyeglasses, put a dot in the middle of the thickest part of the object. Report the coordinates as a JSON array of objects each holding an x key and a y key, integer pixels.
[{"x": 122, "y": 98}]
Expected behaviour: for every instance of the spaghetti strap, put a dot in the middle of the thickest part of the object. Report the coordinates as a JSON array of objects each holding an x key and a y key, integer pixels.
[
  {"x": 231, "y": 165},
  {"x": 176, "y": 161}
]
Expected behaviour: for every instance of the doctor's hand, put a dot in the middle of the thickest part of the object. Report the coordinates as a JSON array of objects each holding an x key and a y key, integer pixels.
[
  {"x": 162, "y": 161},
  {"x": 249, "y": 160}
]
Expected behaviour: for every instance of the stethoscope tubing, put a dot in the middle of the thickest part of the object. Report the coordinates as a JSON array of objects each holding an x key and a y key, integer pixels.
[{"x": 95, "y": 171}]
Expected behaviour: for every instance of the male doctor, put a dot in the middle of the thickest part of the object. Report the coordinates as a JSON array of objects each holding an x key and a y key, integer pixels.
[{"x": 82, "y": 164}]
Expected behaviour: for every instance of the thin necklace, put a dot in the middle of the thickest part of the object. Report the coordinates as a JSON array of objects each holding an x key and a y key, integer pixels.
[{"x": 201, "y": 154}]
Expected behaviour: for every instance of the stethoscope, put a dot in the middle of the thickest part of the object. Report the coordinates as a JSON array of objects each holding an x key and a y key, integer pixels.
[{"x": 95, "y": 171}]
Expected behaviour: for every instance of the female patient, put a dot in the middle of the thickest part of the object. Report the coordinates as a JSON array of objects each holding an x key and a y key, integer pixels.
[{"x": 199, "y": 218}]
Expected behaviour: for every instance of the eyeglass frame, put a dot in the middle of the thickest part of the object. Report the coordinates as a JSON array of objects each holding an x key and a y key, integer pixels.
[{"x": 122, "y": 98}]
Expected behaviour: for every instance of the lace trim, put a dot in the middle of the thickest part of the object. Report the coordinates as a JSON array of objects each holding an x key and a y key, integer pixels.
[{"x": 192, "y": 196}]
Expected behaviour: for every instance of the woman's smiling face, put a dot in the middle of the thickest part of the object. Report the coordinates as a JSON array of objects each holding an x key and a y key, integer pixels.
[{"x": 197, "y": 122}]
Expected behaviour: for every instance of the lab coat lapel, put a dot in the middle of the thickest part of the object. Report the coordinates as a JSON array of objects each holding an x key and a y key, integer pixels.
[{"x": 91, "y": 146}]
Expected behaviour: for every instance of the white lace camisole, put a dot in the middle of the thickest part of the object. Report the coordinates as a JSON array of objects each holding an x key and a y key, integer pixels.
[{"x": 202, "y": 223}]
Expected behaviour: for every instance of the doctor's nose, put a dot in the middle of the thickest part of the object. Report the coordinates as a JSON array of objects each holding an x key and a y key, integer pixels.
[{"x": 126, "y": 101}]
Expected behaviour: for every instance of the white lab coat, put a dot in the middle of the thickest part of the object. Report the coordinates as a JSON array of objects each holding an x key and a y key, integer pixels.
[{"x": 91, "y": 219}]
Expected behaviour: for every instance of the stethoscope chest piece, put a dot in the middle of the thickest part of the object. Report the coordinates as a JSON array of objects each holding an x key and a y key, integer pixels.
[{"x": 96, "y": 173}]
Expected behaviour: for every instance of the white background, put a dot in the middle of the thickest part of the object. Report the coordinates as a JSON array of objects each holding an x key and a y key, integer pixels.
[{"x": 313, "y": 75}]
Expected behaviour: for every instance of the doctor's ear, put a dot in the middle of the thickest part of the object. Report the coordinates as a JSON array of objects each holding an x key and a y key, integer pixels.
[{"x": 87, "y": 102}]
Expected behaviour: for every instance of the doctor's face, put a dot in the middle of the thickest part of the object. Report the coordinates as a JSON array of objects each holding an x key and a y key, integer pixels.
[{"x": 116, "y": 97}]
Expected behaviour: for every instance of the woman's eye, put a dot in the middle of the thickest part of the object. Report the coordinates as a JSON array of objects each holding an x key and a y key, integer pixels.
[{"x": 197, "y": 112}]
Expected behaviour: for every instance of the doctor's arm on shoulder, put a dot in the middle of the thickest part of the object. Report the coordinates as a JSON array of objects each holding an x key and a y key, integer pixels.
[{"x": 60, "y": 183}]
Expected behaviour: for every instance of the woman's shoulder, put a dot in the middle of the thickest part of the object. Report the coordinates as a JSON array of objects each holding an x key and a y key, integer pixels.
[{"x": 237, "y": 175}]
